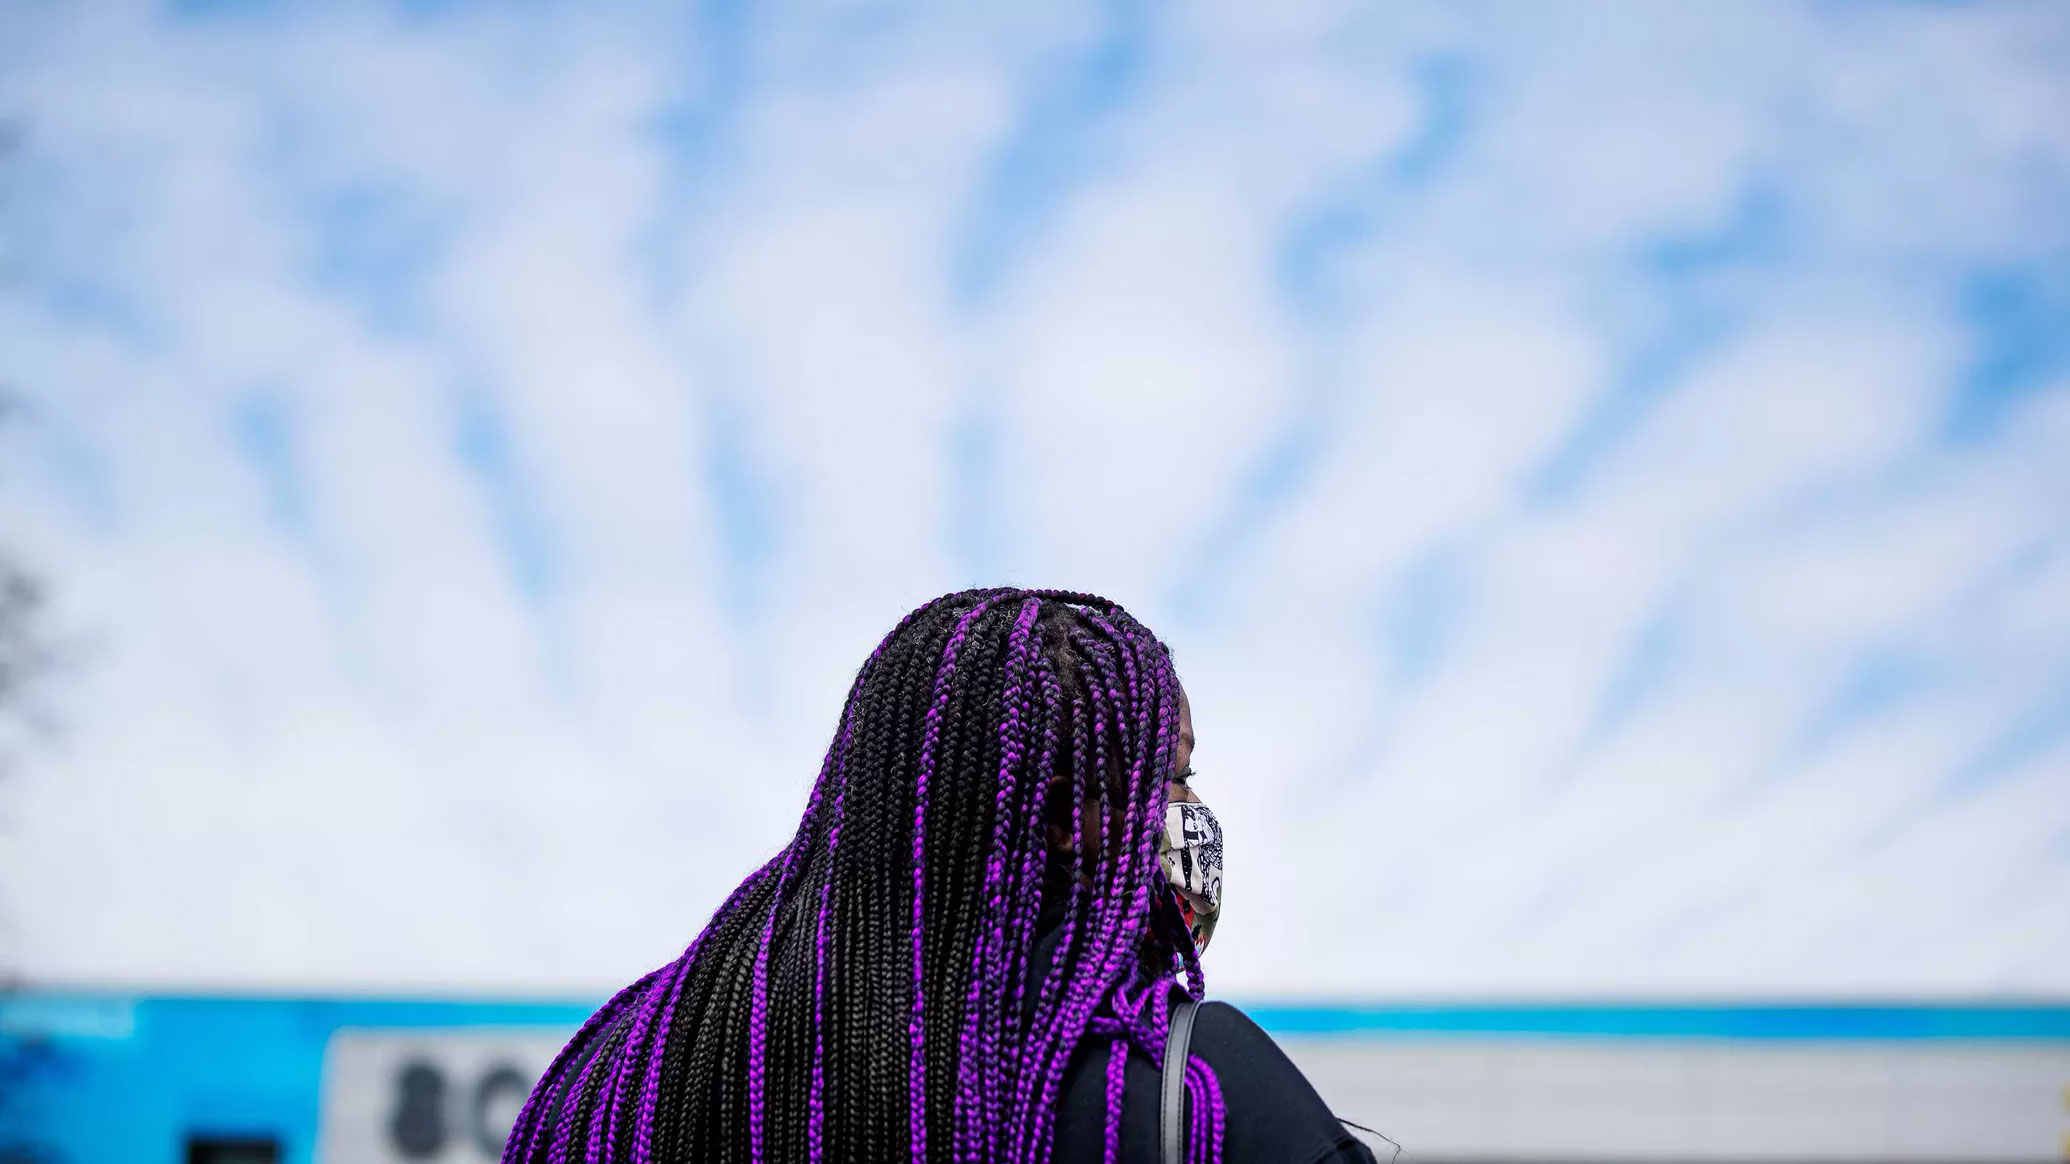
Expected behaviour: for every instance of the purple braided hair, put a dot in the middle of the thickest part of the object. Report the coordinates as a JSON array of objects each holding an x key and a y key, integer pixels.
[
  {"x": 1117, "y": 1077},
  {"x": 521, "y": 1142},
  {"x": 977, "y": 1077},
  {"x": 917, "y": 1072}
]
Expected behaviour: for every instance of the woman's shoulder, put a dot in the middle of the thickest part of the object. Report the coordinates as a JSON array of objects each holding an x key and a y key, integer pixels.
[
  {"x": 1273, "y": 1112},
  {"x": 1223, "y": 1025},
  {"x": 1270, "y": 1111}
]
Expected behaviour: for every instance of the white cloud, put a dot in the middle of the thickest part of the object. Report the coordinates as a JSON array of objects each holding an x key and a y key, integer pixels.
[{"x": 371, "y": 714}]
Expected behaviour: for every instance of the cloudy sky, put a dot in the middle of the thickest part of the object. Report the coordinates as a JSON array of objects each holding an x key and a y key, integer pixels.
[{"x": 1604, "y": 472}]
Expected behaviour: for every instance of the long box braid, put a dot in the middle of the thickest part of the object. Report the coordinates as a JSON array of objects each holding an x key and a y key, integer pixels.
[{"x": 868, "y": 993}]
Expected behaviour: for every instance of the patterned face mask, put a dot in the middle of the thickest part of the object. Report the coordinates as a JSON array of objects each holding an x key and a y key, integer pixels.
[{"x": 1190, "y": 850}]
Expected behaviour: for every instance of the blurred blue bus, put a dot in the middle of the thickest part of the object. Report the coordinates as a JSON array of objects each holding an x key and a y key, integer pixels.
[{"x": 106, "y": 1077}]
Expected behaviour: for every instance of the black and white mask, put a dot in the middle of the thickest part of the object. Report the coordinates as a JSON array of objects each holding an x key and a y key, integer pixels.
[{"x": 1190, "y": 851}]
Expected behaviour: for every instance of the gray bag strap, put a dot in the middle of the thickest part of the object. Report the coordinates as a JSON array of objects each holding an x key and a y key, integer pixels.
[{"x": 1171, "y": 1145}]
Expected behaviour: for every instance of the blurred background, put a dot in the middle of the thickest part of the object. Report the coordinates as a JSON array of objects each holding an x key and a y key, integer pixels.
[{"x": 1603, "y": 470}]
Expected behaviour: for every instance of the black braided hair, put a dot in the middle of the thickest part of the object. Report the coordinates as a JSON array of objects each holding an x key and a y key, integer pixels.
[{"x": 867, "y": 995}]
